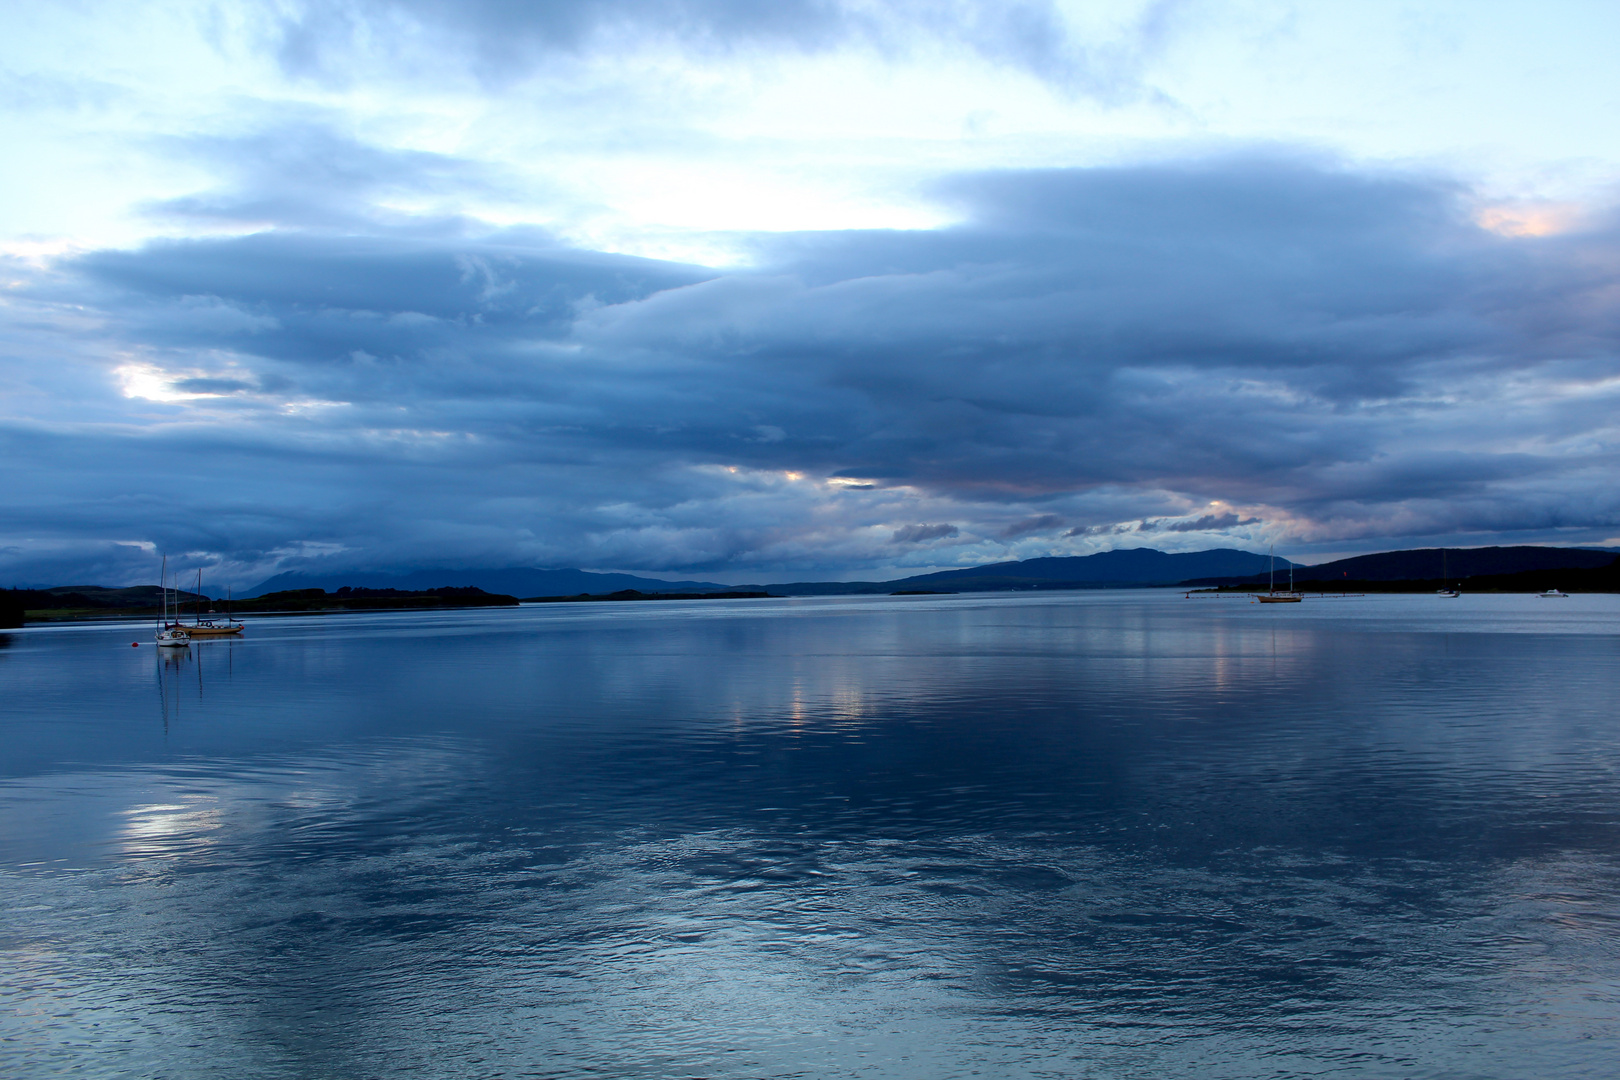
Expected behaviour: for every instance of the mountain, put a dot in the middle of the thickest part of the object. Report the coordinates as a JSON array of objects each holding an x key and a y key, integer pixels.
[
  {"x": 1422, "y": 564},
  {"x": 513, "y": 581},
  {"x": 1126, "y": 567},
  {"x": 1123, "y": 568}
]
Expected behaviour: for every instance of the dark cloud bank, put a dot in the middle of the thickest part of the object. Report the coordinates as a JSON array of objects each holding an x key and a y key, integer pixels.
[{"x": 1344, "y": 358}]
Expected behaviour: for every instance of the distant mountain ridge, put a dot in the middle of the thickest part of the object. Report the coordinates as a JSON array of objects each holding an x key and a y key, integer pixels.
[
  {"x": 1120, "y": 568},
  {"x": 519, "y": 581},
  {"x": 1123, "y": 567}
]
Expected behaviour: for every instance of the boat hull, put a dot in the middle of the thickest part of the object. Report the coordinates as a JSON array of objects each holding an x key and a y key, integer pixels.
[{"x": 205, "y": 629}]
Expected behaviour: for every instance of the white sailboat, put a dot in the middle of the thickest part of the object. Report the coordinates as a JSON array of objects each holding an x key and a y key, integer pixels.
[
  {"x": 1272, "y": 596},
  {"x": 169, "y": 635},
  {"x": 1445, "y": 591}
]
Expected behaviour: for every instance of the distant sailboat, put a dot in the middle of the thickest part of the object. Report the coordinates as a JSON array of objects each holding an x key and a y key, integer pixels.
[
  {"x": 201, "y": 627},
  {"x": 1445, "y": 591},
  {"x": 1272, "y": 596},
  {"x": 169, "y": 635}
]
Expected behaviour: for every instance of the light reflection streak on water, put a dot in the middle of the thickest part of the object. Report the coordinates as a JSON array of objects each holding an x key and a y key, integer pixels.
[{"x": 1095, "y": 835}]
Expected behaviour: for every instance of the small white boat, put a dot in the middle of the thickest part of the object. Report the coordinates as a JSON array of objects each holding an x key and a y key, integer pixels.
[
  {"x": 173, "y": 637},
  {"x": 1551, "y": 593},
  {"x": 1446, "y": 592},
  {"x": 169, "y": 635}
]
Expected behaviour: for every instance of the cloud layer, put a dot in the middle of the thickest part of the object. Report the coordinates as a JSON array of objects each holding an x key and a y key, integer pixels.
[
  {"x": 1215, "y": 351},
  {"x": 503, "y": 41}
]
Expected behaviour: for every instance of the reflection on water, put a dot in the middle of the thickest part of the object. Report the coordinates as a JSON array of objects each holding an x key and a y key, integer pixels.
[
  {"x": 180, "y": 673},
  {"x": 1090, "y": 835}
]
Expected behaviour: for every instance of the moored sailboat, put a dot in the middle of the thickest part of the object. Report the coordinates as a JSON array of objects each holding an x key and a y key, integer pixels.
[
  {"x": 169, "y": 635},
  {"x": 1445, "y": 591},
  {"x": 210, "y": 627},
  {"x": 1272, "y": 596}
]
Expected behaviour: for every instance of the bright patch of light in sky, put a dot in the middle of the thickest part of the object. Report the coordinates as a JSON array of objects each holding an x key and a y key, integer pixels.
[{"x": 106, "y": 104}]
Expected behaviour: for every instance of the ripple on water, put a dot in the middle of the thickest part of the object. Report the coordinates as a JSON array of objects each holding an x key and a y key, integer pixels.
[{"x": 1073, "y": 836}]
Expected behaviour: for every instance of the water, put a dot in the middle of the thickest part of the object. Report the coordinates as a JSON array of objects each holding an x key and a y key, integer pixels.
[{"x": 1075, "y": 835}]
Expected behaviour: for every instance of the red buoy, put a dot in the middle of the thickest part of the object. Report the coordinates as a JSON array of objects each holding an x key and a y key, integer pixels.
[{"x": 134, "y": 644}]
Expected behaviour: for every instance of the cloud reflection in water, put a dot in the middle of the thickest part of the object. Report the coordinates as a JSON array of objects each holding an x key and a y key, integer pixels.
[{"x": 1030, "y": 836}]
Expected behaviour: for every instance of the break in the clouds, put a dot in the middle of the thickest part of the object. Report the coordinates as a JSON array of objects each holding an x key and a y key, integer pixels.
[{"x": 333, "y": 340}]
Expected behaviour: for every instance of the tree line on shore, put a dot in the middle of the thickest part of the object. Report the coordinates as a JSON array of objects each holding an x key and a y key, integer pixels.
[{"x": 143, "y": 601}]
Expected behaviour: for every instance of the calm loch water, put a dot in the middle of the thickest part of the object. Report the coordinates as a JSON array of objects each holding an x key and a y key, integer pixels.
[{"x": 1109, "y": 835}]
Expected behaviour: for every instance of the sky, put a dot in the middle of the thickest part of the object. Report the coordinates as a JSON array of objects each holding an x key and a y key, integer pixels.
[{"x": 814, "y": 289}]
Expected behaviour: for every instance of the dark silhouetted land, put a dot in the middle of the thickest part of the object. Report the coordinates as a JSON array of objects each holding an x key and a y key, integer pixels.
[
  {"x": 1492, "y": 569},
  {"x": 633, "y": 594},
  {"x": 1524, "y": 568},
  {"x": 145, "y": 601}
]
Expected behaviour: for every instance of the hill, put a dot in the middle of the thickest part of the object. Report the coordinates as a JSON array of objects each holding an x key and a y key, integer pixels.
[
  {"x": 1122, "y": 568},
  {"x": 351, "y": 599},
  {"x": 1492, "y": 569},
  {"x": 1457, "y": 564},
  {"x": 512, "y": 581},
  {"x": 82, "y": 601},
  {"x": 95, "y": 601}
]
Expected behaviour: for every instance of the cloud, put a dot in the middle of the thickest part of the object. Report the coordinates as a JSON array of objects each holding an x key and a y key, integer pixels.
[
  {"x": 920, "y": 534},
  {"x": 504, "y": 41},
  {"x": 1344, "y": 355},
  {"x": 1206, "y": 523},
  {"x": 499, "y": 26},
  {"x": 1086, "y": 531},
  {"x": 214, "y": 385},
  {"x": 509, "y": 36},
  {"x": 1040, "y": 523},
  {"x": 294, "y": 168}
]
